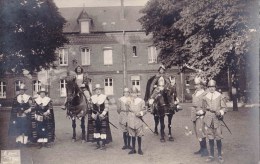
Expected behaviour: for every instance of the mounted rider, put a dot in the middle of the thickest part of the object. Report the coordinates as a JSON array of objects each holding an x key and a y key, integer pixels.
[{"x": 82, "y": 81}]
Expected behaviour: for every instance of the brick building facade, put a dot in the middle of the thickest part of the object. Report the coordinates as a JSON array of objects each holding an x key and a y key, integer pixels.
[{"x": 109, "y": 44}]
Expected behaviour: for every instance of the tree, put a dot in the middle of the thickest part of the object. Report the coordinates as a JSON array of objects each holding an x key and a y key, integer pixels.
[
  {"x": 30, "y": 32},
  {"x": 208, "y": 35}
]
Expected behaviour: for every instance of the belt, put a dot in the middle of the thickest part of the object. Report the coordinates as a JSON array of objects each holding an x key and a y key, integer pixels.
[{"x": 212, "y": 111}]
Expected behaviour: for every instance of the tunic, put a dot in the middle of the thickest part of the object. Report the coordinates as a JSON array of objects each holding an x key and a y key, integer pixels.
[
  {"x": 20, "y": 119},
  {"x": 123, "y": 112},
  {"x": 214, "y": 102},
  {"x": 198, "y": 122},
  {"x": 99, "y": 128},
  {"x": 44, "y": 130},
  {"x": 135, "y": 124}
]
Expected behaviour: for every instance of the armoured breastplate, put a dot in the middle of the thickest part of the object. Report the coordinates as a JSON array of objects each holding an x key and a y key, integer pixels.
[{"x": 161, "y": 81}]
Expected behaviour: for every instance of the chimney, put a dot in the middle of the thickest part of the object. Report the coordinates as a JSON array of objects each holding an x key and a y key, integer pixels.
[{"x": 122, "y": 10}]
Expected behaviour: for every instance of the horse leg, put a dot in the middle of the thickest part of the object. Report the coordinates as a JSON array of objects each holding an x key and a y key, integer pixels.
[
  {"x": 156, "y": 120},
  {"x": 83, "y": 138},
  {"x": 74, "y": 129},
  {"x": 162, "y": 128},
  {"x": 169, "y": 126}
]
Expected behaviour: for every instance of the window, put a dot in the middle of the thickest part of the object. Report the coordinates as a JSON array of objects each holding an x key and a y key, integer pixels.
[
  {"x": 2, "y": 89},
  {"x": 85, "y": 56},
  {"x": 187, "y": 80},
  {"x": 136, "y": 82},
  {"x": 63, "y": 56},
  {"x": 84, "y": 27},
  {"x": 134, "y": 51},
  {"x": 63, "y": 92},
  {"x": 108, "y": 57},
  {"x": 152, "y": 54},
  {"x": 17, "y": 86},
  {"x": 108, "y": 86},
  {"x": 36, "y": 87}
]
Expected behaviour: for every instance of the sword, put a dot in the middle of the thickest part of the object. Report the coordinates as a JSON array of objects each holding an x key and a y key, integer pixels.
[
  {"x": 146, "y": 124},
  {"x": 226, "y": 126}
]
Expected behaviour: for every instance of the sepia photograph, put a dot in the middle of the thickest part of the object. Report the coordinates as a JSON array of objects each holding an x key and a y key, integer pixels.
[{"x": 129, "y": 81}]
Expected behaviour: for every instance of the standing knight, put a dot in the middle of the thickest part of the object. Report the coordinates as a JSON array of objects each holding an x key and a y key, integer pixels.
[
  {"x": 197, "y": 116},
  {"x": 135, "y": 124},
  {"x": 215, "y": 106},
  {"x": 123, "y": 112}
]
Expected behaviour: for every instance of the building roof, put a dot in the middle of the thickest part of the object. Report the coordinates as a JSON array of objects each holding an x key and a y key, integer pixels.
[{"x": 104, "y": 19}]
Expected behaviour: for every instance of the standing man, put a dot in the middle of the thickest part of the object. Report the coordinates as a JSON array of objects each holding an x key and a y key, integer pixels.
[
  {"x": 135, "y": 124},
  {"x": 215, "y": 109},
  {"x": 197, "y": 116},
  {"x": 20, "y": 119},
  {"x": 98, "y": 122},
  {"x": 162, "y": 79},
  {"x": 44, "y": 116},
  {"x": 123, "y": 112}
]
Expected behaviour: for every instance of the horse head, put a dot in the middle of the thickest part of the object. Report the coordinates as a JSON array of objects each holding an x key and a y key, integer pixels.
[{"x": 71, "y": 87}]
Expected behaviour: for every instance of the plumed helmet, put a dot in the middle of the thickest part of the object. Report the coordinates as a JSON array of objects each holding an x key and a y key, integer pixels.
[{"x": 212, "y": 83}]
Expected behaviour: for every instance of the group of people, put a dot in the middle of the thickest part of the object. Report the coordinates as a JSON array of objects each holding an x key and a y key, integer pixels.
[
  {"x": 32, "y": 120},
  {"x": 208, "y": 109}
]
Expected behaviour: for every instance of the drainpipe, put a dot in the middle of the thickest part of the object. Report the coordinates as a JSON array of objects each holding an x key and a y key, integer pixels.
[{"x": 124, "y": 61}]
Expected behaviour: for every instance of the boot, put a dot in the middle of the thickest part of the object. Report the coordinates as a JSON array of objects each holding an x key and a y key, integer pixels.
[
  {"x": 219, "y": 146},
  {"x": 133, "y": 151},
  {"x": 98, "y": 145},
  {"x": 125, "y": 141},
  {"x": 204, "y": 151},
  {"x": 139, "y": 139},
  {"x": 128, "y": 141},
  {"x": 200, "y": 150},
  {"x": 103, "y": 147},
  {"x": 211, "y": 157}
]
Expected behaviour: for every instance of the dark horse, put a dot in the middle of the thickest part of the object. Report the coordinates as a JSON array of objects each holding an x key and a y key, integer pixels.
[
  {"x": 165, "y": 103},
  {"x": 76, "y": 106}
]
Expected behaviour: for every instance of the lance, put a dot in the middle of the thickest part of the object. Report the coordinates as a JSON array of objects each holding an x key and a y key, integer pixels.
[{"x": 108, "y": 120}]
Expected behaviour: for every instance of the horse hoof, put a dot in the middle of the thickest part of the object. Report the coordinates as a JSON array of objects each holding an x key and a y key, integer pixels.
[
  {"x": 171, "y": 139},
  {"x": 73, "y": 140},
  {"x": 162, "y": 140},
  {"x": 83, "y": 141}
]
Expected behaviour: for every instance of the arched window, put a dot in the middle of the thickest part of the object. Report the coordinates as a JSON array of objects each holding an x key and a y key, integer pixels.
[
  {"x": 36, "y": 87},
  {"x": 17, "y": 86},
  {"x": 2, "y": 89},
  {"x": 63, "y": 92}
]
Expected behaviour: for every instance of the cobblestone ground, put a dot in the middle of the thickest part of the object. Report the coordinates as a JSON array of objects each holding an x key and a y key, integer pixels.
[{"x": 239, "y": 148}]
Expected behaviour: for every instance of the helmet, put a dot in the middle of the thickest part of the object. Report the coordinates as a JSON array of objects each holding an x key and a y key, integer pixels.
[{"x": 212, "y": 83}]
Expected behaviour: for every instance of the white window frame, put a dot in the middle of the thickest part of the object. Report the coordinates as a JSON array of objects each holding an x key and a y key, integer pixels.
[
  {"x": 63, "y": 90},
  {"x": 108, "y": 55},
  {"x": 17, "y": 85},
  {"x": 36, "y": 87},
  {"x": 2, "y": 90},
  {"x": 85, "y": 56},
  {"x": 152, "y": 54},
  {"x": 63, "y": 57},
  {"x": 136, "y": 82},
  {"x": 109, "y": 86}
]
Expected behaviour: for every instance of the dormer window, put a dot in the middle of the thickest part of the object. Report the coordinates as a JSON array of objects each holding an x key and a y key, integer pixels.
[{"x": 85, "y": 22}]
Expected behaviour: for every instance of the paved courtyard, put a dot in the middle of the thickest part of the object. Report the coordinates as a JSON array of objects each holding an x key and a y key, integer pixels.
[{"x": 239, "y": 148}]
